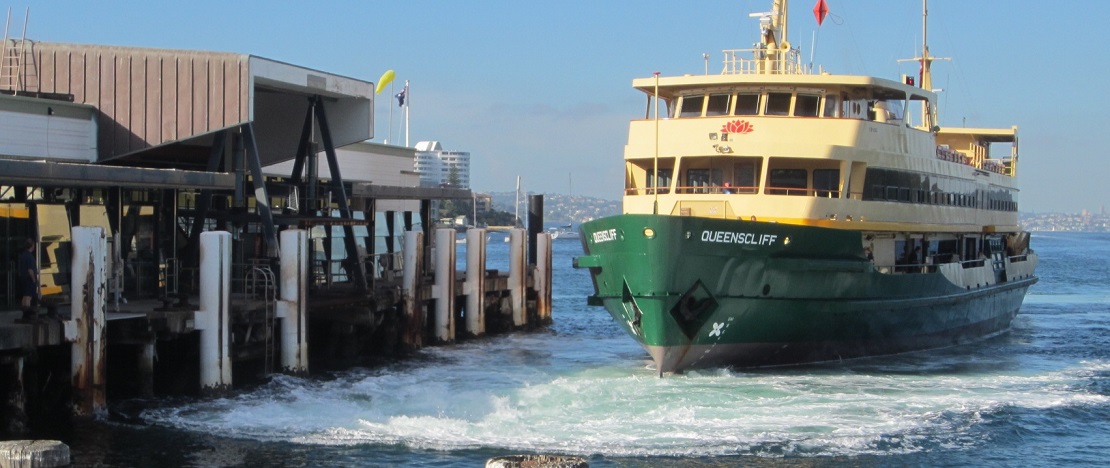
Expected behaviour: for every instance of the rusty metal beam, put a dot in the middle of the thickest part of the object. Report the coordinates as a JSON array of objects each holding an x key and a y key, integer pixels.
[
  {"x": 57, "y": 174},
  {"x": 354, "y": 264}
]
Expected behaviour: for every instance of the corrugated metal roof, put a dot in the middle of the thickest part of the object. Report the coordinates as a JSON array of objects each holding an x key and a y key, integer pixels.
[{"x": 150, "y": 98}]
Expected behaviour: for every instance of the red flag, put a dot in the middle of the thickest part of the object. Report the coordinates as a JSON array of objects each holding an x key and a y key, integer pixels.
[{"x": 820, "y": 10}]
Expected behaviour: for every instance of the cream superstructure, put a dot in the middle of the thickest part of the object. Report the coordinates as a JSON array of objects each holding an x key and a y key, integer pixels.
[{"x": 771, "y": 140}]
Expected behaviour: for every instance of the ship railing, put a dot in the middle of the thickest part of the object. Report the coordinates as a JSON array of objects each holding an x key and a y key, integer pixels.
[
  {"x": 764, "y": 61},
  {"x": 717, "y": 189},
  {"x": 387, "y": 266},
  {"x": 645, "y": 190},
  {"x": 975, "y": 263},
  {"x": 802, "y": 192},
  {"x": 910, "y": 268}
]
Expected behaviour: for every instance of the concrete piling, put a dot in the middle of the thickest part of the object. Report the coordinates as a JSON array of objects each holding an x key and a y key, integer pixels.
[
  {"x": 86, "y": 329},
  {"x": 212, "y": 320},
  {"x": 475, "y": 285},
  {"x": 443, "y": 291},
  {"x": 412, "y": 274},
  {"x": 292, "y": 307},
  {"x": 542, "y": 277},
  {"x": 518, "y": 276}
]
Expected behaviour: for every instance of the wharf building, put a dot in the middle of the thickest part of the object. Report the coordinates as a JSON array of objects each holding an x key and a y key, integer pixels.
[{"x": 220, "y": 205}]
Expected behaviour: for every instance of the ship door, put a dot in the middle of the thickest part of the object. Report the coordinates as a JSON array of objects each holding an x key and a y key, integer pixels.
[
  {"x": 970, "y": 249},
  {"x": 997, "y": 258}
]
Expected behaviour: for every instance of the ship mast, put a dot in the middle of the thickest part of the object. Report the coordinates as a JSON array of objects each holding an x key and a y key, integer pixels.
[
  {"x": 926, "y": 62},
  {"x": 773, "y": 44}
]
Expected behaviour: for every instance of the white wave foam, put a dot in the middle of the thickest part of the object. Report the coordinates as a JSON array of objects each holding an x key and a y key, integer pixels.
[{"x": 484, "y": 396}]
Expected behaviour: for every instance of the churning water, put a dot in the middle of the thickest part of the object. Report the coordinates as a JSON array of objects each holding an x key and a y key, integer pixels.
[{"x": 1038, "y": 396}]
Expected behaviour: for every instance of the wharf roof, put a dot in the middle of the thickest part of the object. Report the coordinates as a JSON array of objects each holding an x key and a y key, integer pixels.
[{"x": 160, "y": 107}]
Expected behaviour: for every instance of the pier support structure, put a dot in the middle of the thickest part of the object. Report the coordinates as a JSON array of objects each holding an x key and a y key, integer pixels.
[
  {"x": 474, "y": 287},
  {"x": 542, "y": 278},
  {"x": 518, "y": 276},
  {"x": 86, "y": 329},
  {"x": 212, "y": 320},
  {"x": 292, "y": 307},
  {"x": 443, "y": 291},
  {"x": 412, "y": 335}
]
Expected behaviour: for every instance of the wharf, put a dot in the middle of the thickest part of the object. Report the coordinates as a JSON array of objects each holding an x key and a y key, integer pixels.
[{"x": 251, "y": 227}]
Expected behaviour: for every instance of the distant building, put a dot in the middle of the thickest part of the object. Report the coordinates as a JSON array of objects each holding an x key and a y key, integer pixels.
[
  {"x": 483, "y": 202},
  {"x": 439, "y": 168}
]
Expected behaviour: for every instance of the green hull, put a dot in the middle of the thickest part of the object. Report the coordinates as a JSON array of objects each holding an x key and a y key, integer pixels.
[{"x": 700, "y": 292}]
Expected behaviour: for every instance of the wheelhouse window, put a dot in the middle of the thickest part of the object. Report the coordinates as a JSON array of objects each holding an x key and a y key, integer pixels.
[
  {"x": 691, "y": 106},
  {"x": 832, "y": 106},
  {"x": 717, "y": 105},
  {"x": 778, "y": 103},
  {"x": 806, "y": 105},
  {"x": 747, "y": 104}
]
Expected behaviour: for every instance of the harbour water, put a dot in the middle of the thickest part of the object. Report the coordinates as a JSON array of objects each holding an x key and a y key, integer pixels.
[{"x": 1038, "y": 396}]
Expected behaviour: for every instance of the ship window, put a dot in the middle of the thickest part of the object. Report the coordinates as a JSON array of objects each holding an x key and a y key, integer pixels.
[
  {"x": 691, "y": 106},
  {"x": 718, "y": 105},
  {"x": 699, "y": 180},
  {"x": 664, "y": 179},
  {"x": 787, "y": 182},
  {"x": 747, "y": 104},
  {"x": 806, "y": 105},
  {"x": 745, "y": 176},
  {"x": 832, "y": 106},
  {"x": 826, "y": 182},
  {"x": 778, "y": 103}
]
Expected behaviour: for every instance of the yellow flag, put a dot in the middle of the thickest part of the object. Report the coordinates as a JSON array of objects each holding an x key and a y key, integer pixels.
[{"x": 386, "y": 78}]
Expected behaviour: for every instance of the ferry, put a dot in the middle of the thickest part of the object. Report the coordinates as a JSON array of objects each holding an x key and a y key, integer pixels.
[
  {"x": 774, "y": 214},
  {"x": 565, "y": 232}
]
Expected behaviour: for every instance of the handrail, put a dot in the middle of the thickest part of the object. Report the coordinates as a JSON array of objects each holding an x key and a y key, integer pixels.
[
  {"x": 794, "y": 191},
  {"x": 788, "y": 63},
  {"x": 740, "y": 190}
]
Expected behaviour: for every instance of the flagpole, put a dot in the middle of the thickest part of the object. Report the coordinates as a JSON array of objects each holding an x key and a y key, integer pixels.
[
  {"x": 391, "y": 93},
  {"x": 408, "y": 101}
]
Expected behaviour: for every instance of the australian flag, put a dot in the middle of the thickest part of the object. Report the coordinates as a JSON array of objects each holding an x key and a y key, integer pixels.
[{"x": 401, "y": 97}]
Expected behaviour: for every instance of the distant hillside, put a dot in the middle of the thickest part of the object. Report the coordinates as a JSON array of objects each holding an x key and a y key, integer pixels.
[{"x": 560, "y": 208}]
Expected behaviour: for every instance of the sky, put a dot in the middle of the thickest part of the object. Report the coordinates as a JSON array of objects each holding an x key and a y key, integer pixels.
[{"x": 542, "y": 90}]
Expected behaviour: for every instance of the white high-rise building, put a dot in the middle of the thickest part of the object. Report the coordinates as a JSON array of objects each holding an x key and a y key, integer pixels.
[{"x": 436, "y": 166}]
